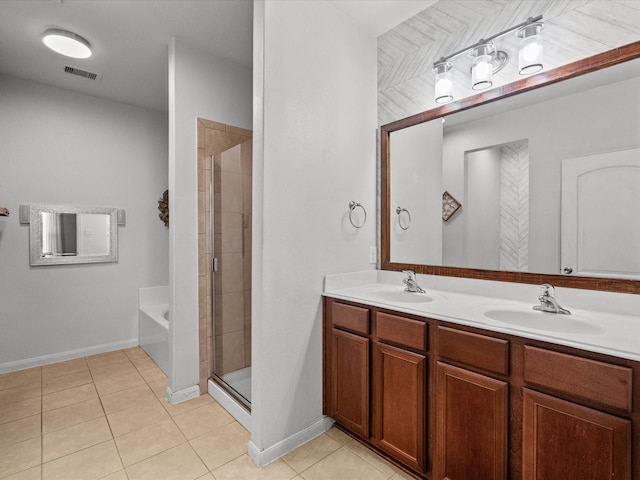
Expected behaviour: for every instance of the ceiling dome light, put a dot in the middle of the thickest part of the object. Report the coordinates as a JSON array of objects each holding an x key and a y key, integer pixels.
[{"x": 67, "y": 43}]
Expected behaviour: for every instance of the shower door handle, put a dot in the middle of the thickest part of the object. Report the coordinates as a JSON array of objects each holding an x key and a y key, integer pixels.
[{"x": 214, "y": 264}]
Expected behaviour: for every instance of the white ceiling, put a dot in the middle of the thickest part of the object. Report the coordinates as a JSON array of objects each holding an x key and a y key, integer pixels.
[{"x": 130, "y": 39}]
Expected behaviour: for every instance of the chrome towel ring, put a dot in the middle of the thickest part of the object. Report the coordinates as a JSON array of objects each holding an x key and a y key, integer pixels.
[
  {"x": 399, "y": 211},
  {"x": 352, "y": 206}
]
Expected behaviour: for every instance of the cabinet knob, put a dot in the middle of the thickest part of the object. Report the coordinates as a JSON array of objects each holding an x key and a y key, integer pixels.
[{"x": 567, "y": 270}]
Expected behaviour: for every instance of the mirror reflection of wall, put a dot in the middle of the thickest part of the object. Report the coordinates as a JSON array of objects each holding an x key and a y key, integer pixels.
[{"x": 496, "y": 211}]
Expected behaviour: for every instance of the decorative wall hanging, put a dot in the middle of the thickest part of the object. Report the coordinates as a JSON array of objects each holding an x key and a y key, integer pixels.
[
  {"x": 163, "y": 207},
  {"x": 449, "y": 206},
  {"x": 4, "y": 212}
]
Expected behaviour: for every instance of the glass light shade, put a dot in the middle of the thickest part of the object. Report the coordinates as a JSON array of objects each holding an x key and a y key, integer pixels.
[
  {"x": 443, "y": 82},
  {"x": 481, "y": 72},
  {"x": 530, "y": 53},
  {"x": 67, "y": 43}
]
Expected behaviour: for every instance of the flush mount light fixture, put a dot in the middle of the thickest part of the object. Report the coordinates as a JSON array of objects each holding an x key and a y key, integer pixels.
[
  {"x": 487, "y": 59},
  {"x": 67, "y": 43}
]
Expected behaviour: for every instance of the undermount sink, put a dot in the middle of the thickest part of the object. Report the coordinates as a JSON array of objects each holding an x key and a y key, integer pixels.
[{"x": 520, "y": 317}]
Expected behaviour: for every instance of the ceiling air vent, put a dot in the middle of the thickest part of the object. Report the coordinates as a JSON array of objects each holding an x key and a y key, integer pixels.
[{"x": 82, "y": 73}]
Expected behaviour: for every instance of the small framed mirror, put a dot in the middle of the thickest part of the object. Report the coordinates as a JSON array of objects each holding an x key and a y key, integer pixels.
[{"x": 67, "y": 234}]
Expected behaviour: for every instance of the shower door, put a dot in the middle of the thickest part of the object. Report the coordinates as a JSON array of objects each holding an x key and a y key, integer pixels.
[{"x": 231, "y": 286}]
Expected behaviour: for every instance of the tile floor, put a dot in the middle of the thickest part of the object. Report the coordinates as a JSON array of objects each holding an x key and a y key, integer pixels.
[{"x": 105, "y": 417}]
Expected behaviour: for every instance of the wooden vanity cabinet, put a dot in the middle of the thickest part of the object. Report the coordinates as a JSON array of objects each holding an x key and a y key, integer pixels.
[
  {"x": 399, "y": 378},
  {"x": 472, "y": 408},
  {"x": 450, "y": 402}
]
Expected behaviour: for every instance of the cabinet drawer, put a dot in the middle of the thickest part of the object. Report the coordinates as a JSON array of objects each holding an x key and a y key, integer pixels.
[
  {"x": 597, "y": 381},
  {"x": 350, "y": 317},
  {"x": 480, "y": 351},
  {"x": 401, "y": 331}
]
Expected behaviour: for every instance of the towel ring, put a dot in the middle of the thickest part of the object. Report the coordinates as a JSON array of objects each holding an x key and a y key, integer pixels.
[
  {"x": 352, "y": 206},
  {"x": 399, "y": 210}
]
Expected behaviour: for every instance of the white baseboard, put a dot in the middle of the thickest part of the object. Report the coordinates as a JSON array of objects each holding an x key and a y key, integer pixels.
[
  {"x": 182, "y": 395},
  {"x": 264, "y": 457},
  {"x": 230, "y": 404},
  {"x": 68, "y": 355}
]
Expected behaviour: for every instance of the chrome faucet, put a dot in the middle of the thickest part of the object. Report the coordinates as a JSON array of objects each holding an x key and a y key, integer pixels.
[
  {"x": 548, "y": 302},
  {"x": 411, "y": 282}
]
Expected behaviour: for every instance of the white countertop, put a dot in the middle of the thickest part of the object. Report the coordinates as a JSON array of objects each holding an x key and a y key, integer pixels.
[{"x": 602, "y": 322}]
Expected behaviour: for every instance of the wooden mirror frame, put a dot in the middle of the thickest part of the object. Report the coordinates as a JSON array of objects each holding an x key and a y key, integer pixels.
[{"x": 565, "y": 72}]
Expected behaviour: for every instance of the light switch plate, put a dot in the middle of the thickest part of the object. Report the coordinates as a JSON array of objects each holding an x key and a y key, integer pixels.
[{"x": 25, "y": 214}]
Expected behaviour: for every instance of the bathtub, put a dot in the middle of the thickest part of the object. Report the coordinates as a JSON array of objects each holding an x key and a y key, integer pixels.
[{"x": 153, "y": 324}]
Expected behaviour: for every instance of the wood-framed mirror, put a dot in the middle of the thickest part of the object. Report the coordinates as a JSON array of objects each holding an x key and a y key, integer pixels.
[{"x": 452, "y": 255}]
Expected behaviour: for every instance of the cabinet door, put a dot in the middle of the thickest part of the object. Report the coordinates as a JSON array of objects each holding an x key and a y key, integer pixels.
[
  {"x": 565, "y": 440},
  {"x": 350, "y": 381},
  {"x": 399, "y": 419},
  {"x": 471, "y": 426}
]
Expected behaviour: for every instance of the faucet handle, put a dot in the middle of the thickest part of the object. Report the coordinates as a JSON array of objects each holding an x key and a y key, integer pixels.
[
  {"x": 548, "y": 290},
  {"x": 411, "y": 275}
]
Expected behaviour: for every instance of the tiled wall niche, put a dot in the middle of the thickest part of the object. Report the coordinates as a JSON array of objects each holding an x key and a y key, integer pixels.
[{"x": 213, "y": 139}]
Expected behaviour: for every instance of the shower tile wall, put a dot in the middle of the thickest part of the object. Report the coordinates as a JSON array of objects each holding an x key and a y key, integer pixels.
[{"x": 213, "y": 138}]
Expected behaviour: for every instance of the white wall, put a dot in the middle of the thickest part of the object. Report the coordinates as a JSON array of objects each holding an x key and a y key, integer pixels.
[
  {"x": 66, "y": 148},
  {"x": 215, "y": 89},
  {"x": 416, "y": 184},
  {"x": 314, "y": 151}
]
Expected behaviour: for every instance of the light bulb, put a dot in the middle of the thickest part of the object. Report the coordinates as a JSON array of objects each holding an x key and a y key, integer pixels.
[
  {"x": 443, "y": 82},
  {"x": 530, "y": 53}
]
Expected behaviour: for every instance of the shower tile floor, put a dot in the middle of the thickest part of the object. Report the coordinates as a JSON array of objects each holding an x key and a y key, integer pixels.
[{"x": 105, "y": 417}]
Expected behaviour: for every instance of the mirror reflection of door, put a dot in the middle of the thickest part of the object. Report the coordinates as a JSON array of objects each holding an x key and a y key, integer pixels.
[
  {"x": 600, "y": 221},
  {"x": 496, "y": 211}
]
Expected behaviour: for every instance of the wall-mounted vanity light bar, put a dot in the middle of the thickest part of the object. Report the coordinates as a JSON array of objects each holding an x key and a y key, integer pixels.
[{"x": 487, "y": 59}]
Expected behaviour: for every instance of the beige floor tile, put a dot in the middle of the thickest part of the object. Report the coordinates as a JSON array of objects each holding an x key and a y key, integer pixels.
[
  {"x": 118, "y": 383},
  {"x": 88, "y": 464},
  {"x": 221, "y": 445},
  {"x": 153, "y": 374},
  {"x": 20, "y": 430},
  {"x": 338, "y": 435},
  {"x": 159, "y": 388},
  {"x": 71, "y": 439},
  {"x": 183, "y": 407},
  {"x": 71, "y": 415},
  {"x": 64, "y": 368},
  {"x": 208, "y": 476},
  {"x": 244, "y": 468},
  {"x": 67, "y": 397},
  {"x": 343, "y": 464},
  {"x": 20, "y": 393},
  {"x": 22, "y": 377},
  {"x": 134, "y": 418},
  {"x": 113, "y": 370},
  {"x": 201, "y": 420},
  {"x": 20, "y": 456},
  {"x": 55, "y": 384},
  {"x": 400, "y": 475},
  {"x": 21, "y": 409},
  {"x": 311, "y": 452},
  {"x": 121, "y": 475},
  {"x": 34, "y": 473},
  {"x": 102, "y": 360},
  {"x": 128, "y": 398},
  {"x": 148, "y": 441},
  {"x": 372, "y": 458},
  {"x": 143, "y": 363},
  {"x": 178, "y": 463}
]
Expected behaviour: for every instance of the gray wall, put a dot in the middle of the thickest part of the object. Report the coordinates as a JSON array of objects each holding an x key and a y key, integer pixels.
[{"x": 61, "y": 147}]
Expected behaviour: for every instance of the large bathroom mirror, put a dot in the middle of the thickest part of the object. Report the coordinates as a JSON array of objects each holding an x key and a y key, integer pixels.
[
  {"x": 64, "y": 234},
  {"x": 542, "y": 180}
]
